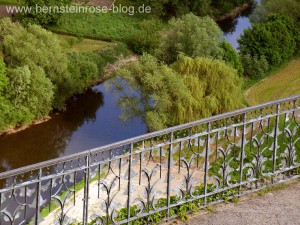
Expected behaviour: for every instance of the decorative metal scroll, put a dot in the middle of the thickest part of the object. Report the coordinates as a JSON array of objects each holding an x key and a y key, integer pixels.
[{"x": 152, "y": 178}]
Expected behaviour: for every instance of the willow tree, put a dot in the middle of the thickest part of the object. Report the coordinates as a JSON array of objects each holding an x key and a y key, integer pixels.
[
  {"x": 215, "y": 86},
  {"x": 190, "y": 89}
]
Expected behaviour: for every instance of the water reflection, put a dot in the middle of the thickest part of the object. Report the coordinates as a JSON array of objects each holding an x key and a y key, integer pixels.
[
  {"x": 50, "y": 139},
  {"x": 234, "y": 27},
  {"x": 89, "y": 122}
]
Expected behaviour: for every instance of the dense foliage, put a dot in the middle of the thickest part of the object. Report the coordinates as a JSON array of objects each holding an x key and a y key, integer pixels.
[
  {"x": 177, "y": 8},
  {"x": 192, "y": 36},
  {"x": 36, "y": 14},
  {"x": 188, "y": 90},
  {"x": 147, "y": 38},
  {"x": 231, "y": 57},
  {"x": 274, "y": 42},
  {"x": 270, "y": 7},
  {"x": 37, "y": 76}
]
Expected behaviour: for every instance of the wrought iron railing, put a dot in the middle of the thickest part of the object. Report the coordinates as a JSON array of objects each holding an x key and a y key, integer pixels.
[{"x": 161, "y": 175}]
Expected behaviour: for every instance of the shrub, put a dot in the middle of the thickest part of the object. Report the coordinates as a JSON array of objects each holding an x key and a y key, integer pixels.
[
  {"x": 254, "y": 67},
  {"x": 274, "y": 41},
  {"x": 147, "y": 38},
  {"x": 37, "y": 17}
]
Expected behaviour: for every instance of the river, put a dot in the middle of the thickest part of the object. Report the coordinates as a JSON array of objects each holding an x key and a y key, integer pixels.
[{"x": 92, "y": 120}]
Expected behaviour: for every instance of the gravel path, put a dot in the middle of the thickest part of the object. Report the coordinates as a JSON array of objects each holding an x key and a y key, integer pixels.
[{"x": 279, "y": 207}]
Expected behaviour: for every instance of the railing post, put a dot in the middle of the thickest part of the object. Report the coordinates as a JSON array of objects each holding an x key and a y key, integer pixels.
[
  {"x": 38, "y": 193},
  {"x": 129, "y": 183},
  {"x": 86, "y": 190},
  {"x": 207, "y": 149},
  {"x": 275, "y": 144},
  {"x": 169, "y": 176},
  {"x": 242, "y": 152}
]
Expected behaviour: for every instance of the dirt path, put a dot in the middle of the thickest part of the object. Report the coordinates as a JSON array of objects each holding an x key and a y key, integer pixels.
[{"x": 278, "y": 207}]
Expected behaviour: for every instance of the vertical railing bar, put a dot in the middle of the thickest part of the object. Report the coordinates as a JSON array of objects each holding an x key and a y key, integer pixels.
[
  {"x": 234, "y": 141},
  {"x": 242, "y": 153},
  {"x": 38, "y": 192},
  {"x": 179, "y": 157},
  {"x": 160, "y": 162},
  {"x": 74, "y": 193},
  {"x": 120, "y": 172},
  {"x": 269, "y": 126},
  {"x": 251, "y": 136},
  {"x": 206, "y": 162},
  {"x": 140, "y": 170},
  {"x": 275, "y": 145},
  {"x": 86, "y": 190},
  {"x": 50, "y": 197},
  {"x": 99, "y": 178},
  {"x": 169, "y": 176},
  {"x": 25, "y": 210},
  {"x": 217, "y": 143},
  {"x": 129, "y": 183}
]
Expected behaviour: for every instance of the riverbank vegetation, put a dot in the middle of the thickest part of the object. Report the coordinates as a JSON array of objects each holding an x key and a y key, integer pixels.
[
  {"x": 187, "y": 70},
  {"x": 37, "y": 76}
]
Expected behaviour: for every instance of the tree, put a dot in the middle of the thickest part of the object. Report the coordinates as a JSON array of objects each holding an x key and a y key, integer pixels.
[
  {"x": 267, "y": 8},
  {"x": 31, "y": 92},
  {"x": 274, "y": 40},
  {"x": 188, "y": 90},
  {"x": 147, "y": 38},
  {"x": 35, "y": 47},
  {"x": 38, "y": 16},
  {"x": 4, "y": 104},
  {"x": 3, "y": 78},
  {"x": 231, "y": 57},
  {"x": 215, "y": 86},
  {"x": 193, "y": 36},
  {"x": 159, "y": 93}
]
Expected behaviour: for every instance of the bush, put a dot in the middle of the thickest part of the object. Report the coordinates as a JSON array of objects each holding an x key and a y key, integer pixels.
[
  {"x": 274, "y": 41},
  {"x": 254, "y": 67},
  {"x": 83, "y": 70},
  {"x": 147, "y": 38},
  {"x": 37, "y": 17}
]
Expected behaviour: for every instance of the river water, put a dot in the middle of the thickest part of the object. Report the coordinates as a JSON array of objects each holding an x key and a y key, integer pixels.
[{"x": 92, "y": 120}]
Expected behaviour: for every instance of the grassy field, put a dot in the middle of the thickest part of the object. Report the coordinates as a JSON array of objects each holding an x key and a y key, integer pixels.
[
  {"x": 116, "y": 26},
  {"x": 283, "y": 83},
  {"x": 70, "y": 43}
]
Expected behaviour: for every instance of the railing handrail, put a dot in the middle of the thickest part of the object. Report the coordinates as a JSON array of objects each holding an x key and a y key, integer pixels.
[{"x": 48, "y": 163}]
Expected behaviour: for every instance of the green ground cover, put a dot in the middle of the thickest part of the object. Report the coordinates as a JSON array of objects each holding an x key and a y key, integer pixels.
[
  {"x": 70, "y": 43},
  {"x": 283, "y": 83},
  {"x": 115, "y": 26}
]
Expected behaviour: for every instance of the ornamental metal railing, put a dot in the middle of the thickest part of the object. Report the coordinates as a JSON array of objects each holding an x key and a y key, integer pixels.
[{"x": 161, "y": 175}]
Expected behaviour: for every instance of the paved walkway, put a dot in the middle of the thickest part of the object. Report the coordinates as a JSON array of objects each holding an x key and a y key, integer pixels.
[{"x": 279, "y": 207}]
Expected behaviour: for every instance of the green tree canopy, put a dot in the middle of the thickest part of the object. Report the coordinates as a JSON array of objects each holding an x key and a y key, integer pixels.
[
  {"x": 192, "y": 36},
  {"x": 231, "y": 57},
  {"x": 188, "y": 90},
  {"x": 267, "y": 8},
  {"x": 37, "y": 16},
  {"x": 275, "y": 41},
  {"x": 37, "y": 48}
]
